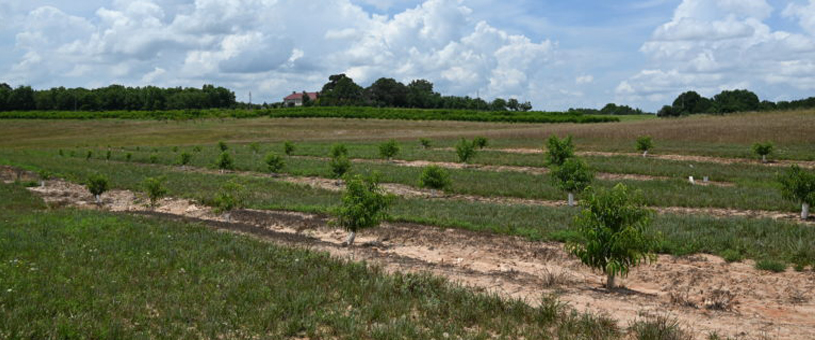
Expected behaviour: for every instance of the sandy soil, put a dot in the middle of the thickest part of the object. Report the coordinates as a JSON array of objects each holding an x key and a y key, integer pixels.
[{"x": 703, "y": 292}]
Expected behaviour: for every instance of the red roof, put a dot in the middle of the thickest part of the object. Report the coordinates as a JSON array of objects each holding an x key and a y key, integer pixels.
[{"x": 299, "y": 95}]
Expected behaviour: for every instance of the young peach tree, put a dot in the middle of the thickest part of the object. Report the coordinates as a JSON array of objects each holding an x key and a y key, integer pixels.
[
  {"x": 558, "y": 150},
  {"x": 465, "y": 150},
  {"x": 288, "y": 148},
  {"x": 389, "y": 149},
  {"x": 225, "y": 162},
  {"x": 184, "y": 158},
  {"x": 798, "y": 185},
  {"x": 573, "y": 176},
  {"x": 434, "y": 177},
  {"x": 339, "y": 166},
  {"x": 644, "y": 143},
  {"x": 97, "y": 184},
  {"x": 229, "y": 198},
  {"x": 763, "y": 150},
  {"x": 154, "y": 187},
  {"x": 274, "y": 163},
  {"x": 614, "y": 228},
  {"x": 364, "y": 205}
]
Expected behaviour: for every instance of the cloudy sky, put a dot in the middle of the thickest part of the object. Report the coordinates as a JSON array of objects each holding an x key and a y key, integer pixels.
[{"x": 557, "y": 54}]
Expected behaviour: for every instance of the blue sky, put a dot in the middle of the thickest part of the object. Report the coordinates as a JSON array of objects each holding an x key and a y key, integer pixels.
[{"x": 557, "y": 54}]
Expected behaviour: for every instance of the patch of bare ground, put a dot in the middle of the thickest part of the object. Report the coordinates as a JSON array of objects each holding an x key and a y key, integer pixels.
[{"x": 703, "y": 292}]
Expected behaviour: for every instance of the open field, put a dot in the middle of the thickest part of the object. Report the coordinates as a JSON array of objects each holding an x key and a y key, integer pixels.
[{"x": 504, "y": 195}]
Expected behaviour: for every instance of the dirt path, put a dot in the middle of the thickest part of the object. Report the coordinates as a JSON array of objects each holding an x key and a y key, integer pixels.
[
  {"x": 689, "y": 158},
  {"x": 703, "y": 292}
]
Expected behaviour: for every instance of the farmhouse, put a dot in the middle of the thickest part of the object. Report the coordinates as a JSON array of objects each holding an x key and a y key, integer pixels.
[{"x": 296, "y": 99}]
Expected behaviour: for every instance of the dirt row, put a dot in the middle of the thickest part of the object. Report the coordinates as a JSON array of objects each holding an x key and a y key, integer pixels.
[{"x": 702, "y": 292}]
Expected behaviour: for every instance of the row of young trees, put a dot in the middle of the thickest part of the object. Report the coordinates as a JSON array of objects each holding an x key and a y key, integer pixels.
[
  {"x": 728, "y": 101},
  {"x": 610, "y": 109},
  {"x": 115, "y": 98},
  {"x": 341, "y": 90}
]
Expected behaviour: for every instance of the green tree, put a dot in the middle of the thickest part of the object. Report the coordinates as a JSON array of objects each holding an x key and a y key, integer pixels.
[
  {"x": 736, "y": 101},
  {"x": 339, "y": 166},
  {"x": 434, "y": 177},
  {"x": 364, "y": 205},
  {"x": 798, "y": 185},
  {"x": 421, "y": 95},
  {"x": 558, "y": 150},
  {"x": 154, "y": 187},
  {"x": 513, "y": 104},
  {"x": 763, "y": 150},
  {"x": 222, "y": 145},
  {"x": 306, "y": 99},
  {"x": 288, "y": 148},
  {"x": 225, "y": 162},
  {"x": 644, "y": 143},
  {"x": 88, "y": 155},
  {"x": 184, "y": 158},
  {"x": 108, "y": 154},
  {"x": 228, "y": 198},
  {"x": 690, "y": 102},
  {"x": 387, "y": 92},
  {"x": 255, "y": 147},
  {"x": 425, "y": 143},
  {"x": 667, "y": 111},
  {"x": 97, "y": 184},
  {"x": 340, "y": 91},
  {"x": 480, "y": 142},
  {"x": 573, "y": 176},
  {"x": 498, "y": 104},
  {"x": 389, "y": 149},
  {"x": 465, "y": 150},
  {"x": 274, "y": 163},
  {"x": 338, "y": 150},
  {"x": 614, "y": 230}
]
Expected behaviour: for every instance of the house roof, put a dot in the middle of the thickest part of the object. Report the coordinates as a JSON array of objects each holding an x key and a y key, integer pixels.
[{"x": 299, "y": 95}]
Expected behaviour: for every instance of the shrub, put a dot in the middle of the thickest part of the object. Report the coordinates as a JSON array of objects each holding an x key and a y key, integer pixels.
[
  {"x": 255, "y": 147},
  {"x": 465, "y": 150},
  {"x": 338, "y": 150},
  {"x": 97, "y": 184},
  {"x": 363, "y": 206},
  {"x": 228, "y": 198},
  {"x": 425, "y": 143},
  {"x": 389, "y": 149},
  {"x": 339, "y": 166},
  {"x": 614, "y": 226},
  {"x": 154, "y": 187},
  {"x": 88, "y": 155},
  {"x": 763, "y": 150},
  {"x": 222, "y": 145},
  {"x": 175, "y": 149},
  {"x": 196, "y": 148},
  {"x": 480, "y": 142},
  {"x": 770, "y": 265},
  {"x": 288, "y": 148},
  {"x": 557, "y": 150},
  {"x": 225, "y": 162},
  {"x": 274, "y": 163},
  {"x": 153, "y": 158},
  {"x": 184, "y": 158},
  {"x": 644, "y": 143},
  {"x": 658, "y": 328},
  {"x": 573, "y": 176},
  {"x": 128, "y": 156},
  {"x": 434, "y": 177},
  {"x": 798, "y": 185},
  {"x": 107, "y": 155},
  {"x": 61, "y": 153}
]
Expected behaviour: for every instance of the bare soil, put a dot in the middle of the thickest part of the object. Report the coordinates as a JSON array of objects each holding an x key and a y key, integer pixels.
[{"x": 703, "y": 292}]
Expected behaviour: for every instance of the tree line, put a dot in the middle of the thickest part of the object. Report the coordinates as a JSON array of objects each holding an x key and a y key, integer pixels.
[
  {"x": 115, "y": 98},
  {"x": 728, "y": 101},
  {"x": 341, "y": 90}
]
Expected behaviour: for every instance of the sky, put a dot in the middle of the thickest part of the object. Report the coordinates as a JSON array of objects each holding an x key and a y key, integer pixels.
[{"x": 556, "y": 54}]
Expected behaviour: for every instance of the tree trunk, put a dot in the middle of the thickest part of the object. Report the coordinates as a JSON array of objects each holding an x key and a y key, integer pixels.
[
  {"x": 98, "y": 199},
  {"x": 804, "y": 211},
  {"x": 610, "y": 281},
  {"x": 228, "y": 217},
  {"x": 350, "y": 240},
  {"x": 763, "y": 158},
  {"x": 645, "y": 153},
  {"x": 571, "y": 199},
  {"x": 42, "y": 184}
]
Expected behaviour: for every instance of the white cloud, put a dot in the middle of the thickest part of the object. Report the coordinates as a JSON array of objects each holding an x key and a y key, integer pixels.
[{"x": 586, "y": 79}]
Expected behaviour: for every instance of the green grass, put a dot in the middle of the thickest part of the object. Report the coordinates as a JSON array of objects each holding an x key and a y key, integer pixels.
[
  {"x": 87, "y": 274},
  {"x": 683, "y": 234},
  {"x": 771, "y": 265}
]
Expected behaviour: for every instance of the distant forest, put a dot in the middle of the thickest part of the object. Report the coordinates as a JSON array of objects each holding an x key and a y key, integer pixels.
[{"x": 728, "y": 101}]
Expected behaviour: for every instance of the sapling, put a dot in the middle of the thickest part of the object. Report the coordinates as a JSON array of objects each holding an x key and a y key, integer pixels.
[
  {"x": 196, "y": 148},
  {"x": 798, "y": 185},
  {"x": 97, "y": 184},
  {"x": 128, "y": 156},
  {"x": 339, "y": 166},
  {"x": 425, "y": 143},
  {"x": 288, "y": 148},
  {"x": 573, "y": 176},
  {"x": 61, "y": 153},
  {"x": 175, "y": 148},
  {"x": 88, "y": 155},
  {"x": 44, "y": 176},
  {"x": 480, "y": 142},
  {"x": 255, "y": 147},
  {"x": 153, "y": 158},
  {"x": 222, "y": 145},
  {"x": 225, "y": 162},
  {"x": 107, "y": 156},
  {"x": 558, "y": 150},
  {"x": 184, "y": 158},
  {"x": 763, "y": 150},
  {"x": 154, "y": 187},
  {"x": 364, "y": 205},
  {"x": 434, "y": 177},
  {"x": 389, "y": 149},
  {"x": 644, "y": 143},
  {"x": 229, "y": 198},
  {"x": 464, "y": 150},
  {"x": 613, "y": 226},
  {"x": 338, "y": 150},
  {"x": 274, "y": 163}
]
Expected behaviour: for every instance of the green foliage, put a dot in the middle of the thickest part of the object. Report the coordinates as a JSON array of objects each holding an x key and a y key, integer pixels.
[
  {"x": 573, "y": 176},
  {"x": 731, "y": 255},
  {"x": 255, "y": 147},
  {"x": 288, "y": 148},
  {"x": 107, "y": 155},
  {"x": 337, "y": 150},
  {"x": 153, "y": 158},
  {"x": 658, "y": 328},
  {"x": 229, "y": 197},
  {"x": 154, "y": 187},
  {"x": 175, "y": 149},
  {"x": 45, "y": 174},
  {"x": 464, "y": 150},
  {"x": 339, "y": 166},
  {"x": 771, "y": 265},
  {"x": 61, "y": 153},
  {"x": 274, "y": 163},
  {"x": 558, "y": 150},
  {"x": 97, "y": 184},
  {"x": 88, "y": 155},
  {"x": 763, "y": 149},
  {"x": 798, "y": 185},
  {"x": 225, "y": 162},
  {"x": 184, "y": 158},
  {"x": 480, "y": 142},
  {"x": 364, "y": 205},
  {"x": 128, "y": 156},
  {"x": 424, "y": 142},
  {"x": 197, "y": 148},
  {"x": 435, "y": 177},
  {"x": 389, "y": 149},
  {"x": 222, "y": 145},
  {"x": 644, "y": 143},
  {"x": 432, "y": 114},
  {"x": 614, "y": 226}
]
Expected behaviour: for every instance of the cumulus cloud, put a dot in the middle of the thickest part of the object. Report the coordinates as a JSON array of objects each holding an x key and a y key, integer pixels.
[{"x": 711, "y": 45}]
